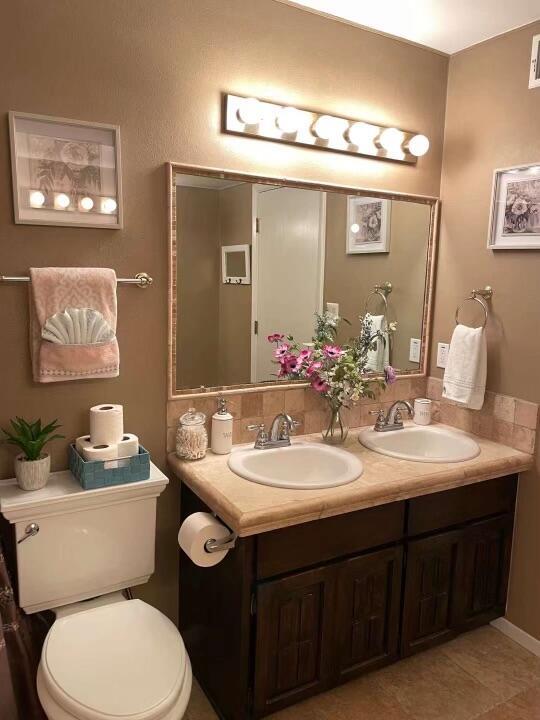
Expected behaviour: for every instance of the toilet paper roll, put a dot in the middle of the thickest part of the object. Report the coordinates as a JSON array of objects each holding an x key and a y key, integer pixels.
[
  {"x": 106, "y": 424},
  {"x": 128, "y": 445},
  {"x": 82, "y": 442},
  {"x": 101, "y": 451},
  {"x": 194, "y": 533}
]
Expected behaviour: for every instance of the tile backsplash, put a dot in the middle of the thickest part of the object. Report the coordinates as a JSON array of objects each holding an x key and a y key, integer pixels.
[
  {"x": 303, "y": 404},
  {"x": 504, "y": 419}
]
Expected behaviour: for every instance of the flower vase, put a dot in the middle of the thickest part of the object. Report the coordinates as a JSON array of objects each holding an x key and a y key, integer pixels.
[{"x": 337, "y": 428}]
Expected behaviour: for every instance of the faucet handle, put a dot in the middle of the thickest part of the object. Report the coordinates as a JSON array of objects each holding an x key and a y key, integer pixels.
[
  {"x": 262, "y": 435},
  {"x": 381, "y": 419}
]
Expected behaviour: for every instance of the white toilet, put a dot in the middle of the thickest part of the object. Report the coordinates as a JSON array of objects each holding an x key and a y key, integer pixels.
[{"x": 106, "y": 657}]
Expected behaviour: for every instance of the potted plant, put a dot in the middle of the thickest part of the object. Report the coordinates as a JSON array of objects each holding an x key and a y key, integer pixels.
[
  {"x": 32, "y": 466},
  {"x": 336, "y": 372}
]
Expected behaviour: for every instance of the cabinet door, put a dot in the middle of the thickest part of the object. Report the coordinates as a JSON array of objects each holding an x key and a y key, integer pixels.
[
  {"x": 429, "y": 578},
  {"x": 367, "y": 611},
  {"x": 482, "y": 572},
  {"x": 294, "y": 615}
]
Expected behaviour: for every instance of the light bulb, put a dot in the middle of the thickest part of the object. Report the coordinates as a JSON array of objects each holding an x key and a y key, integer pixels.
[
  {"x": 362, "y": 134},
  {"x": 250, "y": 111},
  {"x": 62, "y": 201},
  {"x": 355, "y": 227},
  {"x": 325, "y": 126},
  {"x": 87, "y": 203},
  {"x": 108, "y": 205},
  {"x": 391, "y": 139},
  {"x": 37, "y": 198},
  {"x": 288, "y": 120},
  {"x": 418, "y": 145}
]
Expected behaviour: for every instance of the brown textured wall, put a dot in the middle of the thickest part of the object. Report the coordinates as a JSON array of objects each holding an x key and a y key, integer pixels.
[
  {"x": 198, "y": 286},
  {"x": 492, "y": 122},
  {"x": 349, "y": 279},
  {"x": 158, "y": 70}
]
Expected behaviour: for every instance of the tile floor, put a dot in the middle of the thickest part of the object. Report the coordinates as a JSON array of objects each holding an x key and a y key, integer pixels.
[{"x": 481, "y": 675}]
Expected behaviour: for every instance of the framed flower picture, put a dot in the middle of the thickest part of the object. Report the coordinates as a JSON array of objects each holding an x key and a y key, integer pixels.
[
  {"x": 65, "y": 172},
  {"x": 515, "y": 209},
  {"x": 368, "y": 225}
]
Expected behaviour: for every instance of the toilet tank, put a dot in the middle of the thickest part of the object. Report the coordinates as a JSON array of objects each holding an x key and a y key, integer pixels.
[{"x": 90, "y": 542}]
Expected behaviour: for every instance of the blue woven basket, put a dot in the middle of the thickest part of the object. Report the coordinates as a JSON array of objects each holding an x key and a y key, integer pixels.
[{"x": 94, "y": 474}]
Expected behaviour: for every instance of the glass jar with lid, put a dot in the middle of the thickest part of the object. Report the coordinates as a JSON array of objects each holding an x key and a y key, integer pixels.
[{"x": 191, "y": 436}]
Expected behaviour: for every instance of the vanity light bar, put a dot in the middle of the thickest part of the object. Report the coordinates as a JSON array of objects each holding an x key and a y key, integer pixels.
[{"x": 258, "y": 118}]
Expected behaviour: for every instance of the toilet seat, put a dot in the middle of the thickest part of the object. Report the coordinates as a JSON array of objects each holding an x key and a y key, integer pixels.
[{"x": 124, "y": 661}]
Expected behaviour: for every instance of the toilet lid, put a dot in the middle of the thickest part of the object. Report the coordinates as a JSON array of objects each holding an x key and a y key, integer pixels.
[{"x": 117, "y": 661}]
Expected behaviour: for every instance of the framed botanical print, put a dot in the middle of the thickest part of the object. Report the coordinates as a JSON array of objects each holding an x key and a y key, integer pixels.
[
  {"x": 368, "y": 225},
  {"x": 65, "y": 172},
  {"x": 515, "y": 209}
]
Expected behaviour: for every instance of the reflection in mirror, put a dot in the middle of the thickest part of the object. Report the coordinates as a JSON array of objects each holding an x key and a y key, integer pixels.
[{"x": 255, "y": 259}]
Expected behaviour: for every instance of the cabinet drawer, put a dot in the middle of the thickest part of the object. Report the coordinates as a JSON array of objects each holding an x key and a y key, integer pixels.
[
  {"x": 313, "y": 543},
  {"x": 453, "y": 507}
]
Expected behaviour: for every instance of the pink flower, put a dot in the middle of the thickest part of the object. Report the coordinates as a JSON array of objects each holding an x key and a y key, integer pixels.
[
  {"x": 319, "y": 385},
  {"x": 290, "y": 364},
  {"x": 333, "y": 351},
  {"x": 304, "y": 356},
  {"x": 281, "y": 351},
  {"x": 275, "y": 337},
  {"x": 390, "y": 375},
  {"x": 313, "y": 368}
]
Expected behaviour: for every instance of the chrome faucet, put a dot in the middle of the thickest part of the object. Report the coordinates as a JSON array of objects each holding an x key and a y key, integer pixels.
[
  {"x": 394, "y": 419},
  {"x": 279, "y": 435}
]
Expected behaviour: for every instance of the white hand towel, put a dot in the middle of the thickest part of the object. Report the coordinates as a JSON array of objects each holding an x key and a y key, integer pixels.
[
  {"x": 379, "y": 358},
  {"x": 466, "y": 368}
]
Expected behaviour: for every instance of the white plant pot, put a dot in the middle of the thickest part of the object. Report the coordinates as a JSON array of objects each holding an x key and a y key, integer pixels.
[{"x": 32, "y": 474}]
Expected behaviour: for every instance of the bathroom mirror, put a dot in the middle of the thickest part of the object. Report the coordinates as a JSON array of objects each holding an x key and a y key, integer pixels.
[{"x": 253, "y": 256}]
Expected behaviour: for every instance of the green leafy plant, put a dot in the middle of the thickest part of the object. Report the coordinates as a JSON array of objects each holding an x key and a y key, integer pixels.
[{"x": 31, "y": 437}]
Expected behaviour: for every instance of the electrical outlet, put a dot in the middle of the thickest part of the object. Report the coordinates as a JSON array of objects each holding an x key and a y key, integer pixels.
[
  {"x": 414, "y": 350},
  {"x": 332, "y": 309},
  {"x": 442, "y": 354}
]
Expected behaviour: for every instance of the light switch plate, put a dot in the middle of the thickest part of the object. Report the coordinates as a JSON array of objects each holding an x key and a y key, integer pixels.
[
  {"x": 332, "y": 309},
  {"x": 442, "y": 354},
  {"x": 414, "y": 350}
]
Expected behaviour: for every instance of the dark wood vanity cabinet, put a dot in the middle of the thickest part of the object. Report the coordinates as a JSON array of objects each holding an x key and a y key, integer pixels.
[{"x": 292, "y": 612}]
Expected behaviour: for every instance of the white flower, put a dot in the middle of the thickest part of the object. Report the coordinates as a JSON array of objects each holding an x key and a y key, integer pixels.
[{"x": 520, "y": 206}]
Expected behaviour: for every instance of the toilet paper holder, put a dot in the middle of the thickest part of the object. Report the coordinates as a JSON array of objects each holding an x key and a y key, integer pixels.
[{"x": 226, "y": 543}]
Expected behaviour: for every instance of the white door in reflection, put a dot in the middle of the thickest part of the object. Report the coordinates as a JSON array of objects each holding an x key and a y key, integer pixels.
[{"x": 288, "y": 270}]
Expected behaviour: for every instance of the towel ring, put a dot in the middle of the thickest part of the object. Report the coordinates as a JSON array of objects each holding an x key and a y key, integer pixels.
[
  {"x": 479, "y": 296},
  {"x": 383, "y": 291}
]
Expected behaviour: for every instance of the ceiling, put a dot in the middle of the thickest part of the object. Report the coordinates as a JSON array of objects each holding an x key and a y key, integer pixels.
[{"x": 444, "y": 25}]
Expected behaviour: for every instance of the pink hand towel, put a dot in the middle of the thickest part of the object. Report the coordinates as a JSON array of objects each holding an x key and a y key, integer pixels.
[{"x": 52, "y": 290}]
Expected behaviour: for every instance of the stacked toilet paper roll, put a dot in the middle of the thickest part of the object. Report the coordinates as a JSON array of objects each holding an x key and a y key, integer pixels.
[
  {"x": 107, "y": 439},
  {"x": 106, "y": 424},
  {"x": 195, "y": 532}
]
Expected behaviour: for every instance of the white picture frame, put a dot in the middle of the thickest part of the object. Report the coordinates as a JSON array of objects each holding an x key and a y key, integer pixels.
[
  {"x": 368, "y": 225},
  {"x": 65, "y": 172},
  {"x": 514, "y": 222},
  {"x": 242, "y": 265}
]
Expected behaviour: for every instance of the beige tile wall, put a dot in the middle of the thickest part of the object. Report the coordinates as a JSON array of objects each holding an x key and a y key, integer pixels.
[
  {"x": 303, "y": 404},
  {"x": 505, "y": 419}
]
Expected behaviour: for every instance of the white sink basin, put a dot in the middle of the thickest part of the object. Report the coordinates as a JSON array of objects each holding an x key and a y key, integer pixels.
[
  {"x": 421, "y": 444},
  {"x": 304, "y": 466}
]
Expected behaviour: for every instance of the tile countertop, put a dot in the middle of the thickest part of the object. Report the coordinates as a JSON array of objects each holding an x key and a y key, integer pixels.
[{"x": 249, "y": 508}]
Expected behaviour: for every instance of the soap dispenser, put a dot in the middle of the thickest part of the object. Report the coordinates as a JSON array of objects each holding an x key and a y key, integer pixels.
[{"x": 222, "y": 429}]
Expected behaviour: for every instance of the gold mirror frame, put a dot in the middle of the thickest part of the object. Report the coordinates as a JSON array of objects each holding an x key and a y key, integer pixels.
[{"x": 173, "y": 168}]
